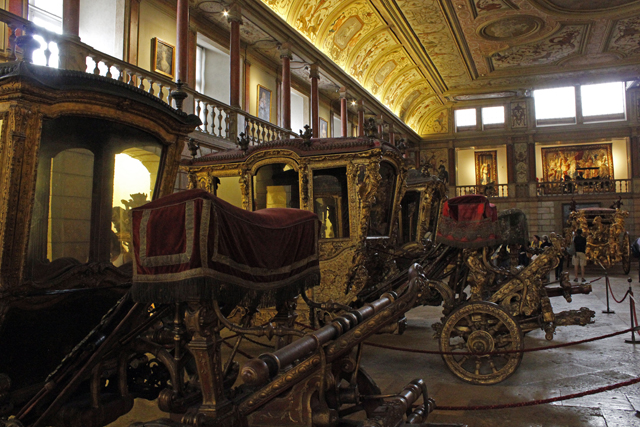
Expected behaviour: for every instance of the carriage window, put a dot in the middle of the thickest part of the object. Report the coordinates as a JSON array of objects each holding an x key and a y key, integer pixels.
[
  {"x": 276, "y": 186},
  {"x": 409, "y": 216},
  {"x": 69, "y": 216},
  {"x": 331, "y": 202},
  {"x": 381, "y": 209},
  {"x": 134, "y": 179},
  {"x": 229, "y": 190}
]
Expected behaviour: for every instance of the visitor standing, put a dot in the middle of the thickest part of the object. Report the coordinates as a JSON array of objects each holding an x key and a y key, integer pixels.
[{"x": 580, "y": 258}]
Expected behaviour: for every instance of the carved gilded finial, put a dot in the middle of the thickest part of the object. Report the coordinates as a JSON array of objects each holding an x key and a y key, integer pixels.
[
  {"x": 193, "y": 147},
  {"x": 306, "y": 136},
  {"x": 243, "y": 142}
]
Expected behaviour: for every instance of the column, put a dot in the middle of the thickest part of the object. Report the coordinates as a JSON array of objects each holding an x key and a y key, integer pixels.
[
  {"x": 380, "y": 126},
  {"x": 278, "y": 99},
  {"x": 344, "y": 114},
  {"x": 247, "y": 87},
  {"x": 361, "y": 118},
  {"x": 235, "y": 19},
  {"x": 511, "y": 177},
  {"x": 635, "y": 155},
  {"x": 182, "y": 40},
  {"x": 531, "y": 148},
  {"x": 314, "y": 75},
  {"x": 71, "y": 17},
  {"x": 452, "y": 166},
  {"x": 192, "y": 42},
  {"x": 132, "y": 40},
  {"x": 285, "y": 54},
  {"x": 17, "y": 7},
  {"x": 392, "y": 139}
]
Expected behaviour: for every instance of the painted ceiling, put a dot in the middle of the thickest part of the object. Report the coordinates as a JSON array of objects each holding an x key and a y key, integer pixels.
[{"x": 419, "y": 56}]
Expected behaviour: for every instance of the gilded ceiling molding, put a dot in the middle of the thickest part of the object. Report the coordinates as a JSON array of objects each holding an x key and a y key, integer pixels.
[
  {"x": 332, "y": 17},
  {"x": 510, "y": 29},
  {"x": 310, "y": 17}
]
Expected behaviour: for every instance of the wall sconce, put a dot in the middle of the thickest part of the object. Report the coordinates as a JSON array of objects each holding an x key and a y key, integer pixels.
[{"x": 225, "y": 13}]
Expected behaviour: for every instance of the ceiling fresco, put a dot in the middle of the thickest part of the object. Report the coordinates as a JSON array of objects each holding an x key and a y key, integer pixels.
[{"x": 419, "y": 57}]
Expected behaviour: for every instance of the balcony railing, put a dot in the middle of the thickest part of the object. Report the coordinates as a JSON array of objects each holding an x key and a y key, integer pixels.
[
  {"x": 585, "y": 186},
  {"x": 491, "y": 190},
  {"x": 223, "y": 121},
  {"x": 219, "y": 119}
]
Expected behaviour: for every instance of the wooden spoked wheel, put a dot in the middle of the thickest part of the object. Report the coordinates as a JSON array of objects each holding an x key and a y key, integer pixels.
[
  {"x": 481, "y": 327},
  {"x": 625, "y": 248}
]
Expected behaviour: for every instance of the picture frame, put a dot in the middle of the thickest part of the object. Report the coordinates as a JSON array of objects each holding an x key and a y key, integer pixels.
[
  {"x": 486, "y": 167},
  {"x": 324, "y": 128},
  {"x": 163, "y": 57},
  {"x": 263, "y": 103},
  {"x": 588, "y": 161}
]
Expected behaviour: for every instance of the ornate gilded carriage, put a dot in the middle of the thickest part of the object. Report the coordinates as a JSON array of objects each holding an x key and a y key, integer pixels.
[
  {"x": 63, "y": 229},
  {"x": 608, "y": 242},
  {"x": 371, "y": 208}
]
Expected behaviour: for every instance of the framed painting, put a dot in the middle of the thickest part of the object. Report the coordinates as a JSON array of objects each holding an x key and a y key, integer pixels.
[
  {"x": 570, "y": 162},
  {"x": 486, "y": 167},
  {"x": 163, "y": 57},
  {"x": 263, "y": 105},
  {"x": 324, "y": 128}
]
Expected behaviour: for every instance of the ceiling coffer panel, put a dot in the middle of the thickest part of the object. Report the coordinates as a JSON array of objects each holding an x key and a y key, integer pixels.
[
  {"x": 310, "y": 15},
  {"x": 344, "y": 29},
  {"x": 566, "y": 41},
  {"x": 433, "y": 30}
]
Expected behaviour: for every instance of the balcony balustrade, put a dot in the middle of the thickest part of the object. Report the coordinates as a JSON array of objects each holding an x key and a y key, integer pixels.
[
  {"x": 219, "y": 120},
  {"x": 491, "y": 190}
]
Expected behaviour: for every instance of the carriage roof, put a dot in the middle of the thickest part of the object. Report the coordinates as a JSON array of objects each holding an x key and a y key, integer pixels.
[{"x": 303, "y": 148}]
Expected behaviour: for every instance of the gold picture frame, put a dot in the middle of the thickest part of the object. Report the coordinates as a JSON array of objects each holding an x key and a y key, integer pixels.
[
  {"x": 486, "y": 167},
  {"x": 263, "y": 103},
  {"x": 323, "y": 132},
  {"x": 163, "y": 57}
]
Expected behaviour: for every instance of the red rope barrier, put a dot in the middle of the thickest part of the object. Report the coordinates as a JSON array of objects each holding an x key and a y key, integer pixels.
[
  {"x": 524, "y": 350},
  {"x": 613, "y": 296},
  {"x": 539, "y": 402}
]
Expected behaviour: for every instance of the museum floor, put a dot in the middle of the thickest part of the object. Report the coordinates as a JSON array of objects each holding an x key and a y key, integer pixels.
[{"x": 541, "y": 375}]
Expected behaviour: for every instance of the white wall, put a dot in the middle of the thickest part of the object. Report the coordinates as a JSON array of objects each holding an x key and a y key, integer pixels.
[
  {"x": 102, "y": 25},
  {"x": 336, "y": 126},
  {"x": 299, "y": 111},
  {"x": 216, "y": 74}
]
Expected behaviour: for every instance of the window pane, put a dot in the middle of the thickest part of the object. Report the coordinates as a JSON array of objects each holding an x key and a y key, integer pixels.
[
  {"x": 555, "y": 103},
  {"x": 492, "y": 115},
  {"x": 601, "y": 99},
  {"x": 466, "y": 117},
  {"x": 70, "y": 205}
]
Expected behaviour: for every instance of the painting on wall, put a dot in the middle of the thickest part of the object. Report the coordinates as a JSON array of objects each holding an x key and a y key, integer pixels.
[
  {"x": 324, "y": 128},
  {"x": 572, "y": 162},
  {"x": 486, "y": 167},
  {"x": 264, "y": 103},
  {"x": 163, "y": 57}
]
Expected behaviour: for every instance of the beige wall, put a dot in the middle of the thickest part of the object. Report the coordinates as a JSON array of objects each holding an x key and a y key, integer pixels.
[
  {"x": 229, "y": 190},
  {"x": 466, "y": 167},
  {"x": 262, "y": 77},
  {"x": 155, "y": 21}
]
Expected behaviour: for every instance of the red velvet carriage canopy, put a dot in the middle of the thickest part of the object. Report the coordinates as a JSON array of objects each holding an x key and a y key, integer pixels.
[
  {"x": 469, "y": 222},
  {"x": 193, "y": 246}
]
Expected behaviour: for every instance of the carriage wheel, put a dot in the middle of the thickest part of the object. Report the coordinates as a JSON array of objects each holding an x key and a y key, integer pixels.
[
  {"x": 626, "y": 252},
  {"x": 481, "y": 327}
]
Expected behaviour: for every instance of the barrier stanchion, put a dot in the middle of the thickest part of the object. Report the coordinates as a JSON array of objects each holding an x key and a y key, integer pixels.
[
  {"x": 632, "y": 312},
  {"x": 606, "y": 277}
]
